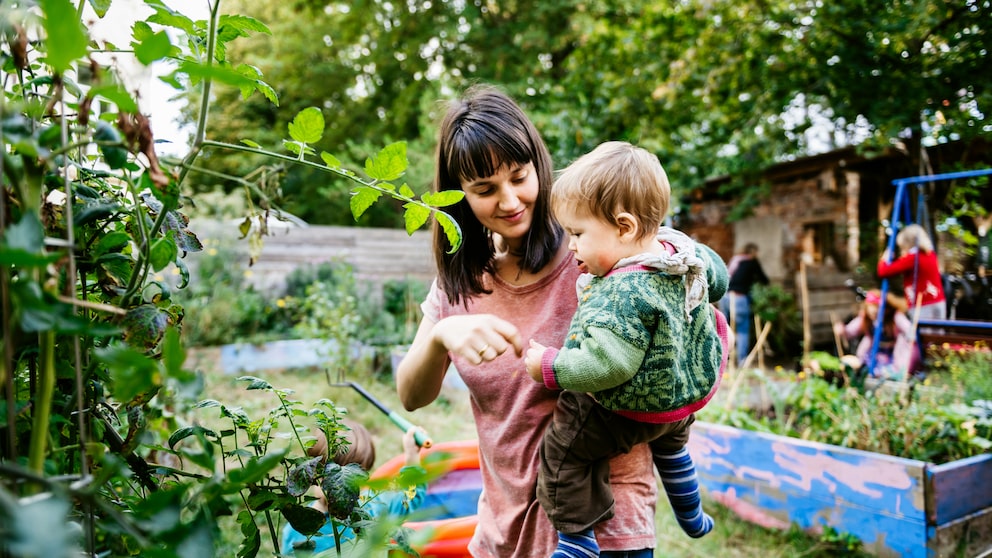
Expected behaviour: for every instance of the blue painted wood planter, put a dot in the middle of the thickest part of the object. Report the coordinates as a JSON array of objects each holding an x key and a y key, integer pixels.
[{"x": 896, "y": 507}]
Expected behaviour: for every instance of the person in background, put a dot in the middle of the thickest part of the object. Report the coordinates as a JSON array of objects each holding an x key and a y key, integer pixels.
[
  {"x": 360, "y": 451},
  {"x": 897, "y": 354},
  {"x": 921, "y": 279},
  {"x": 644, "y": 325},
  {"x": 512, "y": 279},
  {"x": 745, "y": 271}
]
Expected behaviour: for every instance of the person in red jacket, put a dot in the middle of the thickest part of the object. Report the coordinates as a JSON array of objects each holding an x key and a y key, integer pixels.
[{"x": 917, "y": 263}]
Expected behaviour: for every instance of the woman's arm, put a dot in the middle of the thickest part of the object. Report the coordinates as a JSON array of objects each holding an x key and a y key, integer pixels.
[{"x": 421, "y": 372}]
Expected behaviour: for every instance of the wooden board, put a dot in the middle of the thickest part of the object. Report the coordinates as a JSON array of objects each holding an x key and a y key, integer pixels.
[{"x": 776, "y": 481}]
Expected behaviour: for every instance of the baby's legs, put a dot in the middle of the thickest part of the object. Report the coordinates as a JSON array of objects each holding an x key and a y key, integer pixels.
[
  {"x": 574, "y": 479},
  {"x": 678, "y": 476}
]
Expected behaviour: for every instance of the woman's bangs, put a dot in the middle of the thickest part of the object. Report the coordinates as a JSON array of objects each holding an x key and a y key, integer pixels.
[{"x": 482, "y": 152}]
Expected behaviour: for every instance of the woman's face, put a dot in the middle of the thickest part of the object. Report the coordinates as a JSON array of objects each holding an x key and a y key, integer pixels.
[{"x": 504, "y": 202}]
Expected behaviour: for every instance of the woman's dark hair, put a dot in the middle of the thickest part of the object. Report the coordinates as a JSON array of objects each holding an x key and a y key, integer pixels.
[{"x": 481, "y": 132}]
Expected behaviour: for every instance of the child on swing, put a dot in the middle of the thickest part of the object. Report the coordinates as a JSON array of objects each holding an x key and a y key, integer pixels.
[{"x": 644, "y": 351}]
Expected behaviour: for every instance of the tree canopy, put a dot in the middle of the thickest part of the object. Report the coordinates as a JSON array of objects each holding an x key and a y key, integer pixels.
[{"x": 712, "y": 87}]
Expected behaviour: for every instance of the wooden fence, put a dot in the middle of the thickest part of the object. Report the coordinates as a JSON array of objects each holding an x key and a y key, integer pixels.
[{"x": 376, "y": 255}]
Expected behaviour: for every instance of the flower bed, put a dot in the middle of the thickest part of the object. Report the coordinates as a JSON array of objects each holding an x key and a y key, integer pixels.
[{"x": 895, "y": 506}]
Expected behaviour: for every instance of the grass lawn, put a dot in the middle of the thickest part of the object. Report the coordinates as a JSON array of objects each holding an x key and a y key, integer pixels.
[{"x": 449, "y": 418}]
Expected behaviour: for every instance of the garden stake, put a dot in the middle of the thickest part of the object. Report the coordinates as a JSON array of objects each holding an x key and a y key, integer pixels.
[
  {"x": 422, "y": 439},
  {"x": 837, "y": 341}
]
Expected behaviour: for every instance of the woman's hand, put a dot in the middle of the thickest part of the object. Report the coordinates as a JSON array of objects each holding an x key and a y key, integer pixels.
[{"x": 478, "y": 337}]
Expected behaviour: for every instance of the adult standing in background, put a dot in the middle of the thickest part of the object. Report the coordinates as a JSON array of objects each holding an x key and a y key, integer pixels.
[
  {"x": 921, "y": 279},
  {"x": 745, "y": 271}
]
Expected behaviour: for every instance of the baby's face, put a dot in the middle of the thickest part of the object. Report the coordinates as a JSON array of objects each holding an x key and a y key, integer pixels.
[{"x": 595, "y": 243}]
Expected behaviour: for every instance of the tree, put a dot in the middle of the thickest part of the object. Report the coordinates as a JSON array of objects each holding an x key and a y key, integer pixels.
[{"x": 713, "y": 87}]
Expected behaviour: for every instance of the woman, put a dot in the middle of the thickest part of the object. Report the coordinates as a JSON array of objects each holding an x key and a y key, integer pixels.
[
  {"x": 917, "y": 262},
  {"x": 513, "y": 279}
]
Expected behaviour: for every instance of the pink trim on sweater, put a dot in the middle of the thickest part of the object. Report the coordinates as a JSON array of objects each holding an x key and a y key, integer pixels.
[{"x": 547, "y": 368}]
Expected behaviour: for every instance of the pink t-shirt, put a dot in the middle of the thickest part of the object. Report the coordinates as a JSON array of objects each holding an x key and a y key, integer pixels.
[{"x": 511, "y": 413}]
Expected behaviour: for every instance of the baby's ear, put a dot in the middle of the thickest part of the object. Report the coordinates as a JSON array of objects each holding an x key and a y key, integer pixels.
[{"x": 628, "y": 226}]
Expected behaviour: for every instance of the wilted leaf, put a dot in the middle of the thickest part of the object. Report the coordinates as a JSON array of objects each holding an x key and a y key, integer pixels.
[
  {"x": 144, "y": 326},
  {"x": 342, "y": 487}
]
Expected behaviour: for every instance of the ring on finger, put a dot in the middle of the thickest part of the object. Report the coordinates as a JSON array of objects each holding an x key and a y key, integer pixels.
[{"x": 483, "y": 350}]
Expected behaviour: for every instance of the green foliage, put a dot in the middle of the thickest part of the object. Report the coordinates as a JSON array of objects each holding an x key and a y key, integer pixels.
[
  {"x": 913, "y": 420},
  {"x": 91, "y": 364},
  {"x": 962, "y": 368},
  {"x": 777, "y": 306},
  {"x": 714, "y": 88}
]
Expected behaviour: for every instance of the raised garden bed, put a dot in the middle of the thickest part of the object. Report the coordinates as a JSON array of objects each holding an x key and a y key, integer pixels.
[{"x": 897, "y": 507}]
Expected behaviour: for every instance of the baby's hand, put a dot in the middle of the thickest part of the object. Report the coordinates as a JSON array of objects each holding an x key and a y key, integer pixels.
[{"x": 533, "y": 361}]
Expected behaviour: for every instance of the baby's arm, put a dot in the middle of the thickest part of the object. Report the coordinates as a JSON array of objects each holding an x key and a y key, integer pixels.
[{"x": 604, "y": 360}]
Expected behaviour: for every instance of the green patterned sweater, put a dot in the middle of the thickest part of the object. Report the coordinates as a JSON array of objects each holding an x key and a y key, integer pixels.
[{"x": 633, "y": 347}]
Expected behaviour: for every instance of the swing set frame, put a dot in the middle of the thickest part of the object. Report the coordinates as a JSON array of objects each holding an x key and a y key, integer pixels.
[{"x": 901, "y": 215}]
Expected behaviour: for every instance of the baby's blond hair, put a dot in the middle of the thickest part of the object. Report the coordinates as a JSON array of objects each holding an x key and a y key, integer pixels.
[{"x": 613, "y": 178}]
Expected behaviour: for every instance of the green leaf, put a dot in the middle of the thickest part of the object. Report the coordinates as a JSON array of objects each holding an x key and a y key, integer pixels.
[
  {"x": 250, "y": 143},
  {"x": 155, "y": 47},
  {"x": 304, "y": 519},
  {"x": 451, "y": 230},
  {"x": 443, "y": 199},
  {"x": 307, "y": 126},
  {"x": 38, "y": 527},
  {"x": 253, "y": 471},
  {"x": 362, "y": 198},
  {"x": 415, "y": 216},
  {"x": 187, "y": 431},
  {"x": 111, "y": 243},
  {"x": 330, "y": 160},
  {"x": 163, "y": 252},
  {"x": 173, "y": 354},
  {"x": 255, "y": 383},
  {"x": 184, "y": 274},
  {"x": 113, "y": 153},
  {"x": 222, "y": 74},
  {"x": 100, "y": 7},
  {"x": 116, "y": 94},
  {"x": 266, "y": 90},
  {"x": 245, "y": 23},
  {"x": 27, "y": 234},
  {"x": 406, "y": 191},
  {"x": 65, "y": 38},
  {"x": 131, "y": 372},
  {"x": 389, "y": 164},
  {"x": 170, "y": 18},
  {"x": 251, "y": 539}
]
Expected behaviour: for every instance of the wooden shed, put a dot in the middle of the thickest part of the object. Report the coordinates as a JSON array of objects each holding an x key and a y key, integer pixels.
[{"x": 825, "y": 213}]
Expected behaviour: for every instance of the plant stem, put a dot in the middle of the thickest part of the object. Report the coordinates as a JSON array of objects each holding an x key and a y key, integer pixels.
[
  {"x": 43, "y": 403},
  {"x": 201, "y": 121}
]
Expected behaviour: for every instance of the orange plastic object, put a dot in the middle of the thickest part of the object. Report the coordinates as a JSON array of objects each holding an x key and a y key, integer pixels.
[{"x": 450, "y": 537}]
